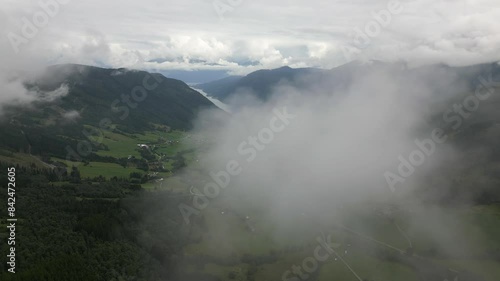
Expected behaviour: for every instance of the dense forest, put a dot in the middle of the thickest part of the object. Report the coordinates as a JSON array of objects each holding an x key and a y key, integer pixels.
[{"x": 110, "y": 230}]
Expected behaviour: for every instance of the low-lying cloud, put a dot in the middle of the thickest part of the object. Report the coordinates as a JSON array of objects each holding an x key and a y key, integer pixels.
[{"x": 334, "y": 151}]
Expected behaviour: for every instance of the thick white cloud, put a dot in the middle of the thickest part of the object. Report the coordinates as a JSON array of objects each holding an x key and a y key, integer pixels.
[{"x": 255, "y": 34}]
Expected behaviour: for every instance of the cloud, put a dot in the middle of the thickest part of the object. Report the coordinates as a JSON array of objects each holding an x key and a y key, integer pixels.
[
  {"x": 167, "y": 34},
  {"x": 333, "y": 153},
  {"x": 23, "y": 67},
  {"x": 71, "y": 115}
]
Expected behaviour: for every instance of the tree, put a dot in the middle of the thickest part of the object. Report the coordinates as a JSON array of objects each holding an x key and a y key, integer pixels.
[{"x": 74, "y": 176}]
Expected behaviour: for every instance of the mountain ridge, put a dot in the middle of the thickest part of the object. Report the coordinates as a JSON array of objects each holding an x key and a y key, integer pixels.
[{"x": 262, "y": 83}]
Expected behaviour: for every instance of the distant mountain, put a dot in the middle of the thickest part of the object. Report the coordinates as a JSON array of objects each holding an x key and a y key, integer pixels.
[
  {"x": 261, "y": 82},
  {"x": 96, "y": 94},
  {"x": 222, "y": 88},
  {"x": 195, "y": 76}
]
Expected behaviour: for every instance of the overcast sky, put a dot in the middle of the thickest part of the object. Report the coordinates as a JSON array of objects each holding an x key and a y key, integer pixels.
[{"x": 253, "y": 34}]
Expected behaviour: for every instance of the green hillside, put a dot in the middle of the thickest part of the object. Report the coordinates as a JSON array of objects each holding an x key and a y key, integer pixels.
[{"x": 117, "y": 99}]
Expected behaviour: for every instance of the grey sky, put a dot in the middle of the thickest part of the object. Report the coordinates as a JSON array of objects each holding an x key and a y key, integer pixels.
[{"x": 255, "y": 34}]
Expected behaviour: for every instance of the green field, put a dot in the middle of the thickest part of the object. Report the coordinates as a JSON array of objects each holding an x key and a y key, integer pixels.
[
  {"x": 366, "y": 267},
  {"x": 226, "y": 235},
  {"x": 163, "y": 145},
  {"x": 119, "y": 145},
  {"x": 95, "y": 169},
  {"x": 108, "y": 170},
  {"x": 122, "y": 145}
]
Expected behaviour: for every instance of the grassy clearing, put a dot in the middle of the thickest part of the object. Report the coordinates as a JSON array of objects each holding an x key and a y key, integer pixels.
[
  {"x": 107, "y": 170},
  {"x": 119, "y": 145},
  {"x": 173, "y": 184},
  {"x": 238, "y": 272},
  {"x": 226, "y": 235},
  {"x": 95, "y": 169},
  {"x": 274, "y": 271},
  {"x": 122, "y": 145},
  {"x": 231, "y": 233},
  {"x": 171, "y": 150},
  {"x": 367, "y": 268},
  {"x": 490, "y": 270}
]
